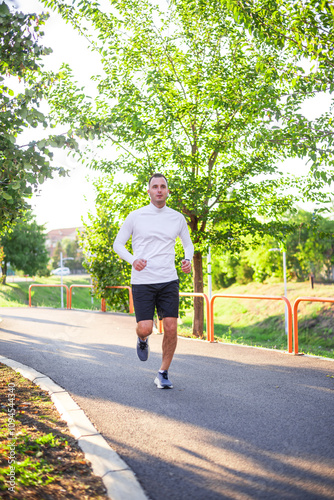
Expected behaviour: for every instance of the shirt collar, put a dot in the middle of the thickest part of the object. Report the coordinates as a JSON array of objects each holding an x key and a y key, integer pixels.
[{"x": 156, "y": 209}]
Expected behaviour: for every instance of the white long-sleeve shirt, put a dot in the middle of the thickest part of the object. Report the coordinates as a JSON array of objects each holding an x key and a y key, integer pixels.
[{"x": 154, "y": 232}]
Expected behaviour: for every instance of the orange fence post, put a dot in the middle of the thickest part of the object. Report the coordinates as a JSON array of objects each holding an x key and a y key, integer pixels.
[
  {"x": 46, "y": 286},
  {"x": 295, "y": 315},
  {"x": 209, "y": 335},
  {"x": 287, "y": 302}
]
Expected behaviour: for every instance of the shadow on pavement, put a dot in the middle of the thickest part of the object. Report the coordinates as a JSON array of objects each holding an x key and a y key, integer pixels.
[{"x": 239, "y": 423}]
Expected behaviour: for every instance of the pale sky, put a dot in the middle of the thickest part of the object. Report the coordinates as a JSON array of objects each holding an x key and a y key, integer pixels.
[{"x": 63, "y": 202}]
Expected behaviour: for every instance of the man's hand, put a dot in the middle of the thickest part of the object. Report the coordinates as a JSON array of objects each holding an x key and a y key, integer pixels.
[
  {"x": 139, "y": 264},
  {"x": 186, "y": 266}
]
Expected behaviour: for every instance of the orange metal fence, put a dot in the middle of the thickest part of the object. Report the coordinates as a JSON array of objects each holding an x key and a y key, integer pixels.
[
  {"x": 103, "y": 301},
  {"x": 292, "y": 312},
  {"x": 208, "y": 323},
  {"x": 261, "y": 297},
  {"x": 45, "y": 286},
  {"x": 295, "y": 314},
  {"x": 69, "y": 294}
]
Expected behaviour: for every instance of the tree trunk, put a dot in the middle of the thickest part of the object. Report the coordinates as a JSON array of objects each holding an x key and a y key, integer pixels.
[
  {"x": 198, "y": 322},
  {"x": 4, "y": 273}
]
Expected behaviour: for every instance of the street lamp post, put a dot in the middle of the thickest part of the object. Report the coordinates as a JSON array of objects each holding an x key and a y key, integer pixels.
[
  {"x": 61, "y": 278},
  {"x": 285, "y": 285}
]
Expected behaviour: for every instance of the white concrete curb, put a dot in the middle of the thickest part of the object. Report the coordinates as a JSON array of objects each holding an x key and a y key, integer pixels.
[{"x": 119, "y": 480}]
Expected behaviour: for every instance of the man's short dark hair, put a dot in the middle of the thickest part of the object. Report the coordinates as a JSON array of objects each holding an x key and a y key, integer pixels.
[{"x": 157, "y": 175}]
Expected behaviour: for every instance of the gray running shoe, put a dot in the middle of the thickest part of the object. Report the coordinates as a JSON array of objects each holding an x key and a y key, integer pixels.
[
  {"x": 162, "y": 381},
  {"x": 143, "y": 349}
]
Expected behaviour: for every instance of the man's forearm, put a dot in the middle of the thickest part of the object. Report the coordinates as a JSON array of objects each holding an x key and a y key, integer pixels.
[{"x": 124, "y": 254}]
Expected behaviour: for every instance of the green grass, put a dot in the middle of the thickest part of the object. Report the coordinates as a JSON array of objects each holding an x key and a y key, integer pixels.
[{"x": 262, "y": 322}]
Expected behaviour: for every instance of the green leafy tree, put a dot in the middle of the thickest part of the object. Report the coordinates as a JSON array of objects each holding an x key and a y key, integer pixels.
[
  {"x": 252, "y": 263},
  {"x": 73, "y": 250},
  {"x": 223, "y": 270},
  {"x": 100, "y": 261},
  {"x": 303, "y": 29},
  {"x": 189, "y": 93},
  {"x": 309, "y": 249},
  {"x": 23, "y": 167},
  {"x": 24, "y": 247}
]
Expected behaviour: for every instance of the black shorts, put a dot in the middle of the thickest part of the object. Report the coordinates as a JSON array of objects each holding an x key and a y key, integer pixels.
[{"x": 162, "y": 296}]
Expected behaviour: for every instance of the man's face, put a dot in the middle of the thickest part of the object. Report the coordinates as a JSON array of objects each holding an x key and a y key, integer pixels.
[{"x": 158, "y": 191}]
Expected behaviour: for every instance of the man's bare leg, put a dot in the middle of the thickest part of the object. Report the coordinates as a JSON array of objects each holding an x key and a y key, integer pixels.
[{"x": 169, "y": 342}]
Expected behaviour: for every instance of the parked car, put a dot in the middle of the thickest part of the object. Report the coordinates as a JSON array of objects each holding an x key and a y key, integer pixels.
[{"x": 61, "y": 271}]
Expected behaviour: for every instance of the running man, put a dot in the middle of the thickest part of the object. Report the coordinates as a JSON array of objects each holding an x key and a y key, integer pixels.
[{"x": 155, "y": 285}]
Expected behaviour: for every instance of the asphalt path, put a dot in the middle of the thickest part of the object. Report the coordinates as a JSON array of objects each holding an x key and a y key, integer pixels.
[{"x": 240, "y": 423}]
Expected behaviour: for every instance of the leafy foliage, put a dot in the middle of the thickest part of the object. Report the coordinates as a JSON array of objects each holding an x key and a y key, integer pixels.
[
  {"x": 24, "y": 247},
  {"x": 22, "y": 87},
  {"x": 189, "y": 92},
  {"x": 104, "y": 266},
  {"x": 309, "y": 249},
  {"x": 304, "y": 29}
]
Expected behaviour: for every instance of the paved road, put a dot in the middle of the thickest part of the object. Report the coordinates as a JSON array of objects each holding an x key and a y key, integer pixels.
[{"x": 240, "y": 423}]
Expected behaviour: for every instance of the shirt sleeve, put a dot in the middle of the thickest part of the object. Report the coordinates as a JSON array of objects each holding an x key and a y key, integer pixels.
[
  {"x": 186, "y": 241},
  {"x": 124, "y": 234}
]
